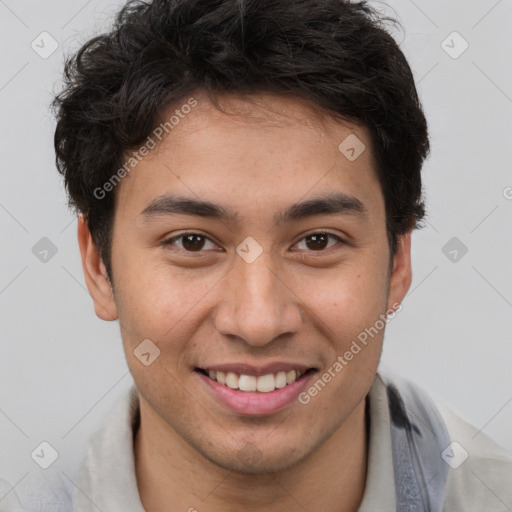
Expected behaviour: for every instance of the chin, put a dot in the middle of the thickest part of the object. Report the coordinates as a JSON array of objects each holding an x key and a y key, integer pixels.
[{"x": 251, "y": 460}]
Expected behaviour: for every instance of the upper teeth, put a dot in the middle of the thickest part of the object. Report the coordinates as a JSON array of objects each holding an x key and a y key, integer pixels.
[{"x": 264, "y": 383}]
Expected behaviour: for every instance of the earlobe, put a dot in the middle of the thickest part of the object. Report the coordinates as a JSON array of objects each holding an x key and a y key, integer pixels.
[
  {"x": 95, "y": 273},
  {"x": 401, "y": 273}
]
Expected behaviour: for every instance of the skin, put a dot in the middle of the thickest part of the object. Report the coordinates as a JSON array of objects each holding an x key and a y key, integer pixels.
[{"x": 296, "y": 302}]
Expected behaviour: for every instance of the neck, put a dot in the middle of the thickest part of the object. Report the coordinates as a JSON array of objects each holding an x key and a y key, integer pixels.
[{"x": 171, "y": 473}]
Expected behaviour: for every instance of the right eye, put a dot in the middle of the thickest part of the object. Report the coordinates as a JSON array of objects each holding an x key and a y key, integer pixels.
[{"x": 190, "y": 242}]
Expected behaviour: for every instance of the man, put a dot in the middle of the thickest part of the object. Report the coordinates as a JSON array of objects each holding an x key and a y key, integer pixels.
[{"x": 248, "y": 178}]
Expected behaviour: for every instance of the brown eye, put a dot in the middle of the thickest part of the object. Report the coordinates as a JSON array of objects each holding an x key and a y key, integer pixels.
[
  {"x": 319, "y": 241},
  {"x": 193, "y": 242},
  {"x": 316, "y": 242},
  {"x": 190, "y": 242}
]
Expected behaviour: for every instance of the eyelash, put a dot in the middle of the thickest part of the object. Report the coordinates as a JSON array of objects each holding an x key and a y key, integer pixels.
[{"x": 170, "y": 241}]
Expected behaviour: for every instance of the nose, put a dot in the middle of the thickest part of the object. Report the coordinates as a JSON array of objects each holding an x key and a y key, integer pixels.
[{"x": 257, "y": 303}]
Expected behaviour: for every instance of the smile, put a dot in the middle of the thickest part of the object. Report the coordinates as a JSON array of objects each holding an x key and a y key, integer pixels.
[
  {"x": 255, "y": 395},
  {"x": 252, "y": 383}
]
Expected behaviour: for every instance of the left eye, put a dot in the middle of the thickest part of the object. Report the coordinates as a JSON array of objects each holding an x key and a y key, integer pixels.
[
  {"x": 319, "y": 241},
  {"x": 195, "y": 242}
]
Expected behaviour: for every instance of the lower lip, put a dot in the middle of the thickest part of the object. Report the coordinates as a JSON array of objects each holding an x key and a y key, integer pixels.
[{"x": 256, "y": 403}]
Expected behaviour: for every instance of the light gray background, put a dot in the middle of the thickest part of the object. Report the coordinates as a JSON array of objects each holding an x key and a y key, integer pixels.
[{"x": 62, "y": 369}]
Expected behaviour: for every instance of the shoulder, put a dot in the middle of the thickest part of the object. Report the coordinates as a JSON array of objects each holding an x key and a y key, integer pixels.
[
  {"x": 37, "y": 492},
  {"x": 480, "y": 470}
]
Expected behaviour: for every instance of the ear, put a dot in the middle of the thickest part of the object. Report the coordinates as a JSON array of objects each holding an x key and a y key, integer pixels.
[
  {"x": 401, "y": 273},
  {"x": 95, "y": 274}
]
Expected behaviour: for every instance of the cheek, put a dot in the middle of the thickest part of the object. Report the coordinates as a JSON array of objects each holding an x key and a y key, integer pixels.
[
  {"x": 167, "y": 307},
  {"x": 348, "y": 299}
]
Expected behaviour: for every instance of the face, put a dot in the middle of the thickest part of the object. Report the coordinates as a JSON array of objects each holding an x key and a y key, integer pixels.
[{"x": 248, "y": 244}]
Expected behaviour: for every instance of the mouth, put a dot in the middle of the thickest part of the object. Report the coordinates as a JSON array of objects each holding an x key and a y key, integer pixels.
[
  {"x": 247, "y": 383},
  {"x": 255, "y": 389}
]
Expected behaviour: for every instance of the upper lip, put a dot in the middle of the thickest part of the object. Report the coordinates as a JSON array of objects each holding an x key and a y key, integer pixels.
[{"x": 257, "y": 370}]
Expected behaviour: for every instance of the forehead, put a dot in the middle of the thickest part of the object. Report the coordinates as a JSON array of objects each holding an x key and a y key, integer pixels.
[
  {"x": 254, "y": 152},
  {"x": 263, "y": 112}
]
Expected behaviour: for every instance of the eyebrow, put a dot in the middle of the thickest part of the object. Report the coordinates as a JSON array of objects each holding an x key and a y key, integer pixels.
[{"x": 329, "y": 204}]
